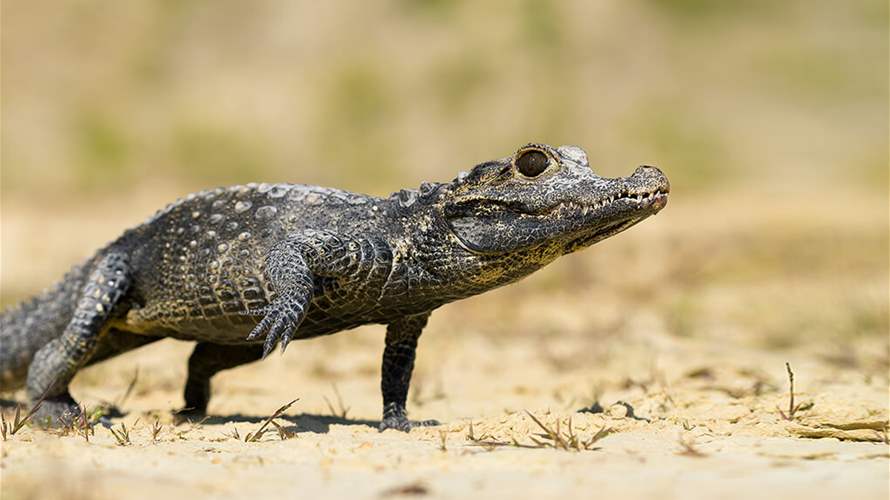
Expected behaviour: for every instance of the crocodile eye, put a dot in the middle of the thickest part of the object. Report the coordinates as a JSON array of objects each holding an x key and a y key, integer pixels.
[{"x": 532, "y": 163}]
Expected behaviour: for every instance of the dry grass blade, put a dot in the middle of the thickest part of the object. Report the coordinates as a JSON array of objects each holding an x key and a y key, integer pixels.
[
  {"x": 343, "y": 410},
  {"x": 603, "y": 432},
  {"x": 792, "y": 408},
  {"x": 20, "y": 421},
  {"x": 573, "y": 440},
  {"x": 541, "y": 444},
  {"x": 122, "y": 436},
  {"x": 487, "y": 441},
  {"x": 3, "y": 425},
  {"x": 15, "y": 420},
  {"x": 557, "y": 440},
  {"x": 18, "y": 424},
  {"x": 197, "y": 425},
  {"x": 283, "y": 433},
  {"x": 554, "y": 437},
  {"x": 193, "y": 426},
  {"x": 688, "y": 447},
  {"x": 234, "y": 434},
  {"x": 443, "y": 440},
  {"x": 126, "y": 395},
  {"x": 256, "y": 436},
  {"x": 156, "y": 429},
  {"x": 81, "y": 424}
]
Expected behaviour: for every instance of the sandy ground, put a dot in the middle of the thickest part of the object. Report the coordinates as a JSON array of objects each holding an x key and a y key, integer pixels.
[{"x": 682, "y": 395}]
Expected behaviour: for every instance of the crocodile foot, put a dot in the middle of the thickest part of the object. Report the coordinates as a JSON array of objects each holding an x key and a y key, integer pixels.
[
  {"x": 398, "y": 420},
  {"x": 59, "y": 411}
]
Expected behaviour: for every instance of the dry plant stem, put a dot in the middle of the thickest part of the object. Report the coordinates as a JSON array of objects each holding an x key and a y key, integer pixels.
[
  {"x": 256, "y": 436},
  {"x": 19, "y": 422},
  {"x": 792, "y": 408},
  {"x": 488, "y": 442},
  {"x": 343, "y": 410},
  {"x": 235, "y": 434},
  {"x": 443, "y": 440},
  {"x": 82, "y": 424},
  {"x": 122, "y": 436},
  {"x": 121, "y": 400},
  {"x": 689, "y": 448},
  {"x": 156, "y": 429},
  {"x": 552, "y": 437},
  {"x": 193, "y": 426},
  {"x": 567, "y": 441},
  {"x": 283, "y": 433}
]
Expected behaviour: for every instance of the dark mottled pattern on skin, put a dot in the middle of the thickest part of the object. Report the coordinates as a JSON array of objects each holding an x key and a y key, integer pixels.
[{"x": 243, "y": 269}]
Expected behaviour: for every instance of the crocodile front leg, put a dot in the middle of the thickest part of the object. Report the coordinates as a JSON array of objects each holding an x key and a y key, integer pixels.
[
  {"x": 293, "y": 265},
  {"x": 398, "y": 362},
  {"x": 292, "y": 280}
]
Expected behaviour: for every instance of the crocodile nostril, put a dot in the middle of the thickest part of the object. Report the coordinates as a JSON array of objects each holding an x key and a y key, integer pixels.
[{"x": 653, "y": 176}]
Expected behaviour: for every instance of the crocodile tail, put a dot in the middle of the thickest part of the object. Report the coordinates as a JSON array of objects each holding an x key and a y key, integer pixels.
[{"x": 30, "y": 325}]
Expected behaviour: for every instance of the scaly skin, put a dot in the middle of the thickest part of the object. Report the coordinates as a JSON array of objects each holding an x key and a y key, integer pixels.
[{"x": 243, "y": 269}]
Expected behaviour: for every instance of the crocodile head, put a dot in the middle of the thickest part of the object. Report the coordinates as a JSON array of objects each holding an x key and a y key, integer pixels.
[{"x": 546, "y": 196}]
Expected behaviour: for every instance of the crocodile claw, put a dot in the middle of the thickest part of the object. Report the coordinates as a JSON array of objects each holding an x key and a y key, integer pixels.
[
  {"x": 278, "y": 325},
  {"x": 395, "y": 417},
  {"x": 401, "y": 423}
]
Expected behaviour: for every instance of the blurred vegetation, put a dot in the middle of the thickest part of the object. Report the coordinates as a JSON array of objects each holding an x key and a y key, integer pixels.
[
  {"x": 120, "y": 107},
  {"x": 102, "y": 95}
]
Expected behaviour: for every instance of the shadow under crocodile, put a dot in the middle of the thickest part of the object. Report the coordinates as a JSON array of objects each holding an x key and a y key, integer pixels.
[{"x": 304, "y": 422}]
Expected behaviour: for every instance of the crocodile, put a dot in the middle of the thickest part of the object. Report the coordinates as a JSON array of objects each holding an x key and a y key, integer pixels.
[{"x": 243, "y": 269}]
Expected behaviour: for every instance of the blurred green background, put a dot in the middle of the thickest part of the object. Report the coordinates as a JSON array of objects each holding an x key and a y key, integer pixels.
[
  {"x": 771, "y": 119},
  {"x": 102, "y": 95}
]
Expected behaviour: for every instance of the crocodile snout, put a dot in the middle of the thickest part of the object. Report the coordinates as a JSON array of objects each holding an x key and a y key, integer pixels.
[
  {"x": 650, "y": 182},
  {"x": 653, "y": 178}
]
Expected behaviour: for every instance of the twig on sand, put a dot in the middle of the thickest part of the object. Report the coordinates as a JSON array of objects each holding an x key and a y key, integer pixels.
[
  {"x": 792, "y": 408},
  {"x": 11, "y": 428},
  {"x": 256, "y": 436},
  {"x": 122, "y": 436},
  {"x": 688, "y": 447},
  {"x": 343, "y": 410},
  {"x": 126, "y": 395},
  {"x": 554, "y": 438},
  {"x": 558, "y": 437},
  {"x": 156, "y": 429}
]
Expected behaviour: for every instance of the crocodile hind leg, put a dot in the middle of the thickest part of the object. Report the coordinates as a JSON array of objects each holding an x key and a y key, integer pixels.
[
  {"x": 206, "y": 361},
  {"x": 55, "y": 364}
]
